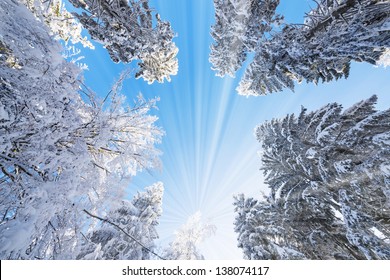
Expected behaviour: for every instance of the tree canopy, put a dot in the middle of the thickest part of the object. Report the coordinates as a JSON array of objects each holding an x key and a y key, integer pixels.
[
  {"x": 328, "y": 175},
  {"x": 334, "y": 34}
]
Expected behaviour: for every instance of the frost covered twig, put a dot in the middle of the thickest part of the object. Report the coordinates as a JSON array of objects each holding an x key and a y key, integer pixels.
[{"x": 104, "y": 220}]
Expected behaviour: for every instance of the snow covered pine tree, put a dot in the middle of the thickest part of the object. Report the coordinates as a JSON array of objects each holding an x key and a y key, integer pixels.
[
  {"x": 125, "y": 28},
  {"x": 329, "y": 177},
  {"x": 239, "y": 25},
  {"x": 334, "y": 34},
  {"x": 58, "y": 153}
]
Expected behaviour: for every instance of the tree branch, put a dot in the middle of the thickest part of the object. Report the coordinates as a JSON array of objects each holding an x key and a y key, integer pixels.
[{"x": 122, "y": 230}]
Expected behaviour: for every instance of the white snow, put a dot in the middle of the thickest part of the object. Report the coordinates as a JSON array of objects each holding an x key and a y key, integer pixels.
[
  {"x": 383, "y": 138},
  {"x": 380, "y": 235},
  {"x": 343, "y": 166},
  {"x": 311, "y": 153},
  {"x": 384, "y": 60},
  {"x": 4, "y": 116}
]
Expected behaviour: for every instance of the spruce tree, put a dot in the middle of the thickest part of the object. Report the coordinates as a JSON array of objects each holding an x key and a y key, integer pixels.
[
  {"x": 239, "y": 25},
  {"x": 321, "y": 50},
  {"x": 328, "y": 175}
]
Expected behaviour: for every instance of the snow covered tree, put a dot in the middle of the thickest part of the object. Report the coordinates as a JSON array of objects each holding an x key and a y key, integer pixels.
[
  {"x": 239, "y": 25},
  {"x": 131, "y": 230},
  {"x": 126, "y": 30},
  {"x": 328, "y": 175},
  {"x": 334, "y": 34},
  {"x": 37, "y": 87},
  {"x": 188, "y": 238},
  {"x": 60, "y": 22},
  {"x": 59, "y": 153},
  {"x": 262, "y": 231}
]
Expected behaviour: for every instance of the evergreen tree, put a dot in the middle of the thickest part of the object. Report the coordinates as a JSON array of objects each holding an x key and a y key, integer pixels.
[
  {"x": 262, "y": 231},
  {"x": 126, "y": 30},
  {"x": 239, "y": 25},
  {"x": 334, "y": 34},
  {"x": 328, "y": 176}
]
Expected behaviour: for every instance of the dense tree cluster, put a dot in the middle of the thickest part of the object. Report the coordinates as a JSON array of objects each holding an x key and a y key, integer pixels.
[
  {"x": 329, "y": 178},
  {"x": 59, "y": 153}
]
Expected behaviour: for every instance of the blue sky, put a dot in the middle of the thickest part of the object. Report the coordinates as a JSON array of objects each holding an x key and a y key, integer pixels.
[{"x": 209, "y": 150}]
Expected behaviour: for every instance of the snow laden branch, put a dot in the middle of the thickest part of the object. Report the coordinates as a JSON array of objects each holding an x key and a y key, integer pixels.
[
  {"x": 128, "y": 31},
  {"x": 124, "y": 232},
  {"x": 62, "y": 26},
  {"x": 328, "y": 174},
  {"x": 129, "y": 230},
  {"x": 60, "y": 22}
]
